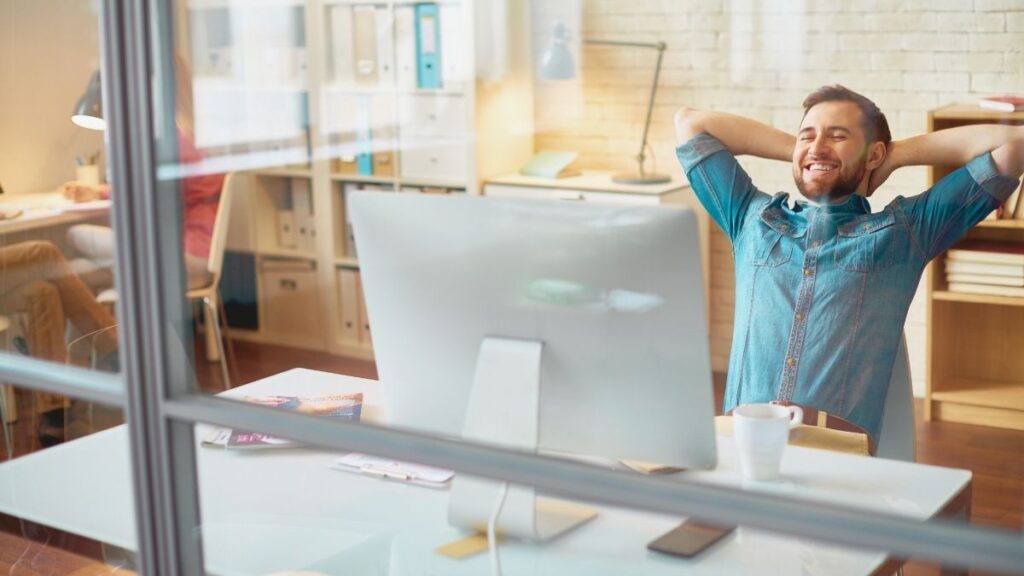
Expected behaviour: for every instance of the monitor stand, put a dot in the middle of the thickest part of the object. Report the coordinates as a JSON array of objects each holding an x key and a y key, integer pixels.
[{"x": 504, "y": 410}]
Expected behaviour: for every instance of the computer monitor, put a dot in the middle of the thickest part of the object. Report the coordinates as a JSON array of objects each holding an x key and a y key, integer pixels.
[{"x": 565, "y": 327}]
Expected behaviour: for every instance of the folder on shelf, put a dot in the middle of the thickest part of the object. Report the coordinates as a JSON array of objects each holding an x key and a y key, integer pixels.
[
  {"x": 302, "y": 205},
  {"x": 428, "y": 46},
  {"x": 286, "y": 228},
  {"x": 348, "y": 285},
  {"x": 350, "y": 237},
  {"x": 364, "y": 136},
  {"x": 364, "y": 24},
  {"x": 405, "y": 47},
  {"x": 364, "y": 319},
  {"x": 342, "y": 56},
  {"x": 383, "y": 137},
  {"x": 385, "y": 47},
  {"x": 452, "y": 34}
]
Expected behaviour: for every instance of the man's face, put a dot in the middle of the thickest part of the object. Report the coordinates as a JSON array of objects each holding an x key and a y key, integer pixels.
[{"x": 830, "y": 157}]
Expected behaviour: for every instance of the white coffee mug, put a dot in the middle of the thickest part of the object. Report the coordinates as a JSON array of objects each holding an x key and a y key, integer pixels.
[{"x": 762, "y": 431}]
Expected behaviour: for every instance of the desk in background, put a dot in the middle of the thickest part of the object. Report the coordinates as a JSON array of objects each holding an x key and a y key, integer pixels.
[
  {"x": 281, "y": 510},
  {"x": 45, "y": 210}
]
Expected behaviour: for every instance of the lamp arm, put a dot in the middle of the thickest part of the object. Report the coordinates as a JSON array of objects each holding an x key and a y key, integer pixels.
[
  {"x": 660, "y": 47},
  {"x": 650, "y": 108}
]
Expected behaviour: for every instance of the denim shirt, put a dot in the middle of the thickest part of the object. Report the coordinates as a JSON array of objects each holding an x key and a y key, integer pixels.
[{"x": 822, "y": 291}]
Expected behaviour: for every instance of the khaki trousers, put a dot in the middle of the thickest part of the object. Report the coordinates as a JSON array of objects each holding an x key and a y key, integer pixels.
[{"x": 37, "y": 282}]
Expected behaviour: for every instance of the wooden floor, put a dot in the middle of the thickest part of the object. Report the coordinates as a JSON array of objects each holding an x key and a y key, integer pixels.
[{"x": 995, "y": 456}]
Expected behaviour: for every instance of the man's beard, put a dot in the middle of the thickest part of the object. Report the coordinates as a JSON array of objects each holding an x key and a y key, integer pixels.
[{"x": 846, "y": 184}]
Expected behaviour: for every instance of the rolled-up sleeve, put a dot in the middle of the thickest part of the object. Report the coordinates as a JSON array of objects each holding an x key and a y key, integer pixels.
[
  {"x": 945, "y": 212},
  {"x": 719, "y": 182}
]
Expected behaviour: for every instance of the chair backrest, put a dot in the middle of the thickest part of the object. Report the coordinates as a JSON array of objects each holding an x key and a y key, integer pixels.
[
  {"x": 896, "y": 436},
  {"x": 219, "y": 239}
]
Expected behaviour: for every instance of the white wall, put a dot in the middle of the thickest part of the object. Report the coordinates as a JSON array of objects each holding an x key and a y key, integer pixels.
[
  {"x": 760, "y": 58},
  {"x": 48, "y": 50}
]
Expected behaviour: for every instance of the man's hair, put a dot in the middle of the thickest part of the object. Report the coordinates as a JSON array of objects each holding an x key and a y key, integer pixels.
[{"x": 876, "y": 127}]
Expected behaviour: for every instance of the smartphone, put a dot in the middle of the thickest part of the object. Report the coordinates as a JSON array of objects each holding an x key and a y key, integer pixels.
[{"x": 688, "y": 539}]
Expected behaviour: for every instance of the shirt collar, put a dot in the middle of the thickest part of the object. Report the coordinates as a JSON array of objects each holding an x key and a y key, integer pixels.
[{"x": 853, "y": 204}]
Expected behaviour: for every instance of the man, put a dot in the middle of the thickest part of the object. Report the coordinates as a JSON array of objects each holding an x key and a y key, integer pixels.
[{"x": 823, "y": 286}]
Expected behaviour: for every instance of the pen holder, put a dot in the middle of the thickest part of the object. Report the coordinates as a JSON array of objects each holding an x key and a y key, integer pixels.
[{"x": 88, "y": 174}]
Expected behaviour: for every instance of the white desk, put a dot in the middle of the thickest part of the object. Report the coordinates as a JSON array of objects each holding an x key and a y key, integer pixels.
[
  {"x": 266, "y": 511},
  {"x": 47, "y": 209}
]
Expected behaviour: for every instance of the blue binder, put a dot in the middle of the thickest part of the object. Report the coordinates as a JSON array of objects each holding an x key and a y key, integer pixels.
[
  {"x": 428, "y": 46},
  {"x": 364, "y": 138}
]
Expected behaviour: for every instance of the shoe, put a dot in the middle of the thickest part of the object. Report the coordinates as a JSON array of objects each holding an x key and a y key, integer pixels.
[{"x": 51, "y": 427}]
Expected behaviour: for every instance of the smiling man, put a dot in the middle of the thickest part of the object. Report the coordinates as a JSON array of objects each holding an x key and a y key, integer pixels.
[{"x": 823, "y": 286}]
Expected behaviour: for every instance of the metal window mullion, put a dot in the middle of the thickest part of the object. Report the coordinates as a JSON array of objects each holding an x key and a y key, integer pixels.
[
  {"x": 163, "y": 462},
  {"x": 969, "y": 547},
  {"x": 68, "y": 381}
]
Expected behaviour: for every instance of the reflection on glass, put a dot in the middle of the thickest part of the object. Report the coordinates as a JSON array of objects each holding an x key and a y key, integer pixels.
[{"x": 307, "y": 116}]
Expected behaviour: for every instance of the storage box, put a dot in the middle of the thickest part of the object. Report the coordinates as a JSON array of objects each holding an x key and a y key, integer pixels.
[{"x": 290, "y": 301}]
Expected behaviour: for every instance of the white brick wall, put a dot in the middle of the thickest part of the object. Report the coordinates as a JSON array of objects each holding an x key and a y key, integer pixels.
[{"x": 760, "y": 58}]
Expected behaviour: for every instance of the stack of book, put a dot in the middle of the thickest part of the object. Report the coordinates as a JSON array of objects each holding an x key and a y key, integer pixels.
[{"x": 986, "y": 267}]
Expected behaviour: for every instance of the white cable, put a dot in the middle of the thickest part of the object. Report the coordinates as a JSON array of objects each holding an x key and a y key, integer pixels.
[{"x": 492, "y": 524}]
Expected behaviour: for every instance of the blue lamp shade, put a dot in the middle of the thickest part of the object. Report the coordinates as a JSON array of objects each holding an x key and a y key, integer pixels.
[
  {"x": 556, "y": 63},
  {"x": 89, "y": 110}
]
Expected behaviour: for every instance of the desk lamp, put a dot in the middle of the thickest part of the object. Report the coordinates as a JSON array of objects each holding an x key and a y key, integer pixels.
[
  {"x": 556, "y": 63},
  {"x": 89, "y": 110}
]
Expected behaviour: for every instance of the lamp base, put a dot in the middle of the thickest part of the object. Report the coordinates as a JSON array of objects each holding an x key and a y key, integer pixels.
[{"x": 640, "y": 178}]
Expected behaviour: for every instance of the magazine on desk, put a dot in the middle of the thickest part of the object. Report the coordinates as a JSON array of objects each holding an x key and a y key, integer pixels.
[{"x": 343, "y": 406}]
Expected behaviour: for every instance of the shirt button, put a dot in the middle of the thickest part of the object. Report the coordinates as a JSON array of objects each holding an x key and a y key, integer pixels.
[
  {"x": 816, "y": 243},
  {"x": 808, "y": 271},
  {"x": 790, "y": 361},
  {"x": 867, "y": 226},
  {"x": 799, "y": 316}
]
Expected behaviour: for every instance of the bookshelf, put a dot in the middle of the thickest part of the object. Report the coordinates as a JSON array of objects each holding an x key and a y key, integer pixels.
[
  {"x": 975, "y": 372},
  {"x": 290, "y": 68}
]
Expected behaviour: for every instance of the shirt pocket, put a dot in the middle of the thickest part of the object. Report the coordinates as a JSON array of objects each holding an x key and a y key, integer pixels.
[
  {"x": 867, "y": 244},
  {"x": 773, "y": 242}
]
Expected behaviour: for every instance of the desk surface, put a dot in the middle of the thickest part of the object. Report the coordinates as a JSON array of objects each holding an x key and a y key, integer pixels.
[
  {"x": 592, "y": 180},
  {"x": 267, "y": 511},
  {"x": 46, "y": 209}
]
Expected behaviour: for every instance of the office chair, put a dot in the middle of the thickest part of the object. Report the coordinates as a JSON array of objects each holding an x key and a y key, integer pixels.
[
  {"x": 896, "y": 437},
  {"x": 209, "y": 295}
]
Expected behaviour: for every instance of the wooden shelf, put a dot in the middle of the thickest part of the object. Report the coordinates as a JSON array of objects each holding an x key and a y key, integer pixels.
[
  {"x": 346, "y": 262},
  {"x": 947, "y": 296},
  {"x": 1009, "y": 395},
  {"x": 973, "y": 112},
  {"x": 1011, "y": 224},
  {"x": 974, "y": 376},
  {"x": 363, "y": 179},
  {"x": 287, "y": 253},
  {"x": 285, "y": 172}
]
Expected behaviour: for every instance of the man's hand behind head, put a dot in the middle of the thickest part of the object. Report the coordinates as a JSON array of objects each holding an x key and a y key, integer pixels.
[{"x": 881, "y": 174}]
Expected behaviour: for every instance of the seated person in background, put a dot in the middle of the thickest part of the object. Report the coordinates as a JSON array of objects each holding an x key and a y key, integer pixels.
[
  {"x": 36, "y": 280},
  {"x": 201, "y": 194},
  {"x": 823, "y": 286}
]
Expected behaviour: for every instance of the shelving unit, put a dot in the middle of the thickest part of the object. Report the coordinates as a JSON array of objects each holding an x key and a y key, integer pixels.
[
  {"x": 975, "y": 367},
  {"x": 452, "y": 137}
]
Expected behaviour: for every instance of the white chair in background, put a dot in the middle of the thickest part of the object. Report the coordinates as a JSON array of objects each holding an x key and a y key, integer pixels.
[
  {"x": 896, "y": 439},
  {"x": 209, "y": 295}
]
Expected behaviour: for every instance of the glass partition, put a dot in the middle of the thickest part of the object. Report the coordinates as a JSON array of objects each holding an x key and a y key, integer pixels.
[{"x": 572, "y": 272}]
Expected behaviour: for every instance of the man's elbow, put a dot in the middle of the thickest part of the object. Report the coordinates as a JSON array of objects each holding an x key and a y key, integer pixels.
[
  {"x": 688, "y": 123},
  {"x": 1009, "y": 158}
]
